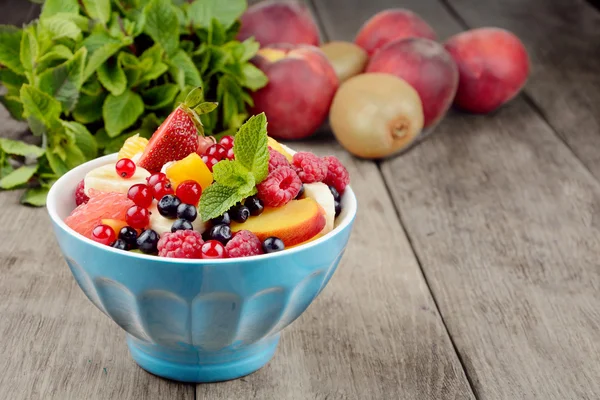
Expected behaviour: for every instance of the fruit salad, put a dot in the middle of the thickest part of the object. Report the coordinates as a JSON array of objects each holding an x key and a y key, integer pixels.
[{"x": 183, "y": 195}]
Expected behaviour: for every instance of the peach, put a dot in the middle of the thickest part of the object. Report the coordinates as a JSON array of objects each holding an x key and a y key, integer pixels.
[
  {"x": 493, "y": 67},
  {"x": 274, "y": 22},
  {"x": 427, "y": 67},
  {"x": 294, "y": 223},
  {"x": 389, "y": 25},
  {"x": 301, "y": 87}
]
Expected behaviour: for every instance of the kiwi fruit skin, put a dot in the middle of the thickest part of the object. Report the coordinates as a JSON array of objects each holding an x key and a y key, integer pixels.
[
  {"x": 376, "y": 115},
  {"x": 347, "y": 59}
]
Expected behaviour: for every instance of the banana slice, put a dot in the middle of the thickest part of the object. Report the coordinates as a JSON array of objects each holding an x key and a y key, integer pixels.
[
  {"x": 161, "y": 224},
  {"x": 320, "y": 193},
  {"x": 106, "y": 179}
]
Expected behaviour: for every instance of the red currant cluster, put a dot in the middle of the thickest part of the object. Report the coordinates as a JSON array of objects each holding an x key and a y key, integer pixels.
[{"x": 217, "y": 152}]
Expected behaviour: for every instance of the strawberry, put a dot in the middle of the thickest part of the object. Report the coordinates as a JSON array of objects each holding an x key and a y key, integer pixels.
[{"x": 177, "y": 137}]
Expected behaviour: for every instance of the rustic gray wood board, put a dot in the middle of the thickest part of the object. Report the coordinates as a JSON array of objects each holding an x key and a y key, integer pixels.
[
  {"x": 374, "y": 333},
  {"x": 563, "y": 41},
  {"x": 502, "y": 217}
]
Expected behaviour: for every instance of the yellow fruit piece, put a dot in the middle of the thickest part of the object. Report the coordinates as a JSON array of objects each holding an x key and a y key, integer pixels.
[
  {"x": 278, "y": 148},
  {"x": 132, "y": 146},
  {"x": 190, "y": 168},
  {"x": 116, "y": 224}
]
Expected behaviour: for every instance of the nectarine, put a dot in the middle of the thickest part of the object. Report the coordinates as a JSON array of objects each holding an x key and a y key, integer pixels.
[
  {"x": 301, "y": 87},
  {"x": 294, "y": 223},
  {"x": 493, "y": 67},
  {"x": 389, "y": 25},
  {"x": 427, "y": 67},
  {"x": 276, "y": 22}
]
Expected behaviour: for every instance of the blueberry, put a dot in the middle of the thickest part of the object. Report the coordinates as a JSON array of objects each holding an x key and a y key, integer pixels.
[
  {"x": 119, "y": 244},
  {"x": 129, "y": 235},
  {"x": 181, "y": 225},
  {"x": 239, "y": 213},
  {"x": 255, "y": 206},
  {"x": 187, "y": 212},
  {"x": 273, "y": 244},
  {"x": 147, "y": 241},
  {"x": 335, "y": 193},
  {"x": 167, "y": 206},
  {"x": 338, "y": 208},
  {"x": 301, "y": 192},
  {"x": 223, "y": 219},
  {"x": 221, "y": 232}
]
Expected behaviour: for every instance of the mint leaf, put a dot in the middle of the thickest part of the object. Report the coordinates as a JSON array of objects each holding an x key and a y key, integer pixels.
[
  {"x": 29, "y": 49},
  {"x": 52, "y": 7},
  {"x": 100, "y": 48},
  {"x": 251, "y": 146},
  {"x": 194, "y": 97},
  {"x": 201, "y": 12},
  {"x": 253, "y": 78},
  {"x": 64, "y": 82},
  {"x": 35, "y": 196},
  {"x": 232, "y": 173},
  {"x": 10, "y": 43},
  {"x": 98, "y": 10},
  {"x": 112, "y": 77},
  {"x": 83, "y": 139},
  {"x": 40, "y": 109},
  {"x": 18, "y": 148},
  {"x": 162, "y": 24},
  {"x": 13, "y": 105},
  {"x": 251, "y": 47},
  {"x": 18, "y": 177},
  {"x": 160, "y": 96},
  {"x": 89, "y": 108},
  {"x": 216, "y": 199},
  {"x": 54, "y": 57},
  {"x": 61, "y": 27},
  {"x": 120, "y": 112},
  {"x": 182, "y": 62},
  {"x": 57, "y": 165},
  {"x": 205, "y": 108},
  {"x": 11, "y": 80}
]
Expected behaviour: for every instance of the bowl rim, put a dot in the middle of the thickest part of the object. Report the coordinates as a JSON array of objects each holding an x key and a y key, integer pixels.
[{"x": 54, "y": 195}]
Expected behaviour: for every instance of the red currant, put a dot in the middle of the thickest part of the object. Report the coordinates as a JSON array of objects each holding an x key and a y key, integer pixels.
[
  {"x": 125, "y": 168},
  {"x": 140, "y": 195},
  {"x": 204, "y": 143},
  {"x": 104, "y": 234},
  {"x": 213, "y": 249},
  {"x": 210, "y": 161},
  {"x": 161, "y": 189},
  {"x": 216, "y": 150},
  {"x": 155, "y": 178},
  {"x": 227, "y": 142},
  {"x": 230, "y": 155},
  {"x": 189, "y": 192},
  {"x": 137, "y": 217}
]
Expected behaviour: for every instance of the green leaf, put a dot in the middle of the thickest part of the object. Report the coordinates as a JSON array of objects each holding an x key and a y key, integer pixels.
[
  {"x": 205, "y": 108},
  {"x": 61, "y": 27},
  {"x": 120, "y": 112},
  {"x": 100, "y": 48},
  {"x": 201, "y": 12},
  {"x": 58, "y": 166},
  {"x": 160, "y": 96},
  {"x": 216, "y": 199},
  {"x": 155, "y": 72},
  {"x": 83, "y": 139},
  {"x": 251, "y": 146},
  {"x": 64, "y": 81},
  {"x": 52, "y": 7},
  {"x": 18, "y": 148},
  {"x": 112, "y": 77},
  {"x": 39, "y": 108},
  {"x": 11, "y": 80},
  {"x": 234, "y": 174},
  {"x": 29, "y": 49},
  {"x": 182, "y": 62},
  {"x": 194, "y": 97},
  {"x": 10, "y": 43},
  {"x": 18, "y": 177},
  {"x": 56, "y": 55},
  {"x": 89, "y": 108},
  {"x": 98, "y": 10},
  {"x": 162, "y": 24},
  {"x": 253, "y": 78},
  {"x": 13, "y": 105},
  {"x": 35, "y": 196},
  {"x": 251, "y": 47}
]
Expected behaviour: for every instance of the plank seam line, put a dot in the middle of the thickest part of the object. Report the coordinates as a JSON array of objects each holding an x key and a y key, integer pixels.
[
  {"x": 424, "y": 275},
  {"x": 527, "y": 98}
]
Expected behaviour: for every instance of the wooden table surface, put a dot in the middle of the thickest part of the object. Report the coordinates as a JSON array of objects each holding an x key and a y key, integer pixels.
[{"x": 472, "y": 272}]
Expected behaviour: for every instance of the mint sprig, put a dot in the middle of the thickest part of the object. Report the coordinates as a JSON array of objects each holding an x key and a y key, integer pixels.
[{"x": 237, "y": 179}]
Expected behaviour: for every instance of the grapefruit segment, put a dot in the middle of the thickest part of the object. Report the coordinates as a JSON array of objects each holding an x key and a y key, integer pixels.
[{"x": 102, "y": 205}]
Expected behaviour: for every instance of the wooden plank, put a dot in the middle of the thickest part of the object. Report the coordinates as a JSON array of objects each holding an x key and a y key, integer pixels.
[
  {"x": 562, "y": 39},
  {"x": 502, "y": 217},
  {"x": 374, "y": 333}
]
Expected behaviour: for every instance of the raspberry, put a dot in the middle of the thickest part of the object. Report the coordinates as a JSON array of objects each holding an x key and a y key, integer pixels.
[
  {"x": 180, "y": 244},
  {"x": 80, "y": 196},
  {"x": 309, "y": 167},
  {"x": 276, "y": 160},
  {"x": 281, "y": 186},
  {"x": 244, "y": 244},
  {"x": 337, "y": 174}
]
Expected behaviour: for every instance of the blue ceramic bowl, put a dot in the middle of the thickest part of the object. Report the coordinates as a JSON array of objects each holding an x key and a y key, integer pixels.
[{"x": 198, "y": 320}]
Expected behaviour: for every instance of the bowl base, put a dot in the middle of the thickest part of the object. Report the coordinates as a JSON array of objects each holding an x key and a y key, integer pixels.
[{"x": 200, "y": 367}]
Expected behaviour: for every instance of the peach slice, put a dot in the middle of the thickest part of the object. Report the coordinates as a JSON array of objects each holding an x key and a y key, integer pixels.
[
  {"x": 294, "y": 223},
  {"x": 275, "y": 145}
]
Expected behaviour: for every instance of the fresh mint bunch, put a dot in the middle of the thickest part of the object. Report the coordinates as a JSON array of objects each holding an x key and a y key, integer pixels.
[
  {"x": 237, "y": 179},
  {"x": 88, "y": 74}
]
